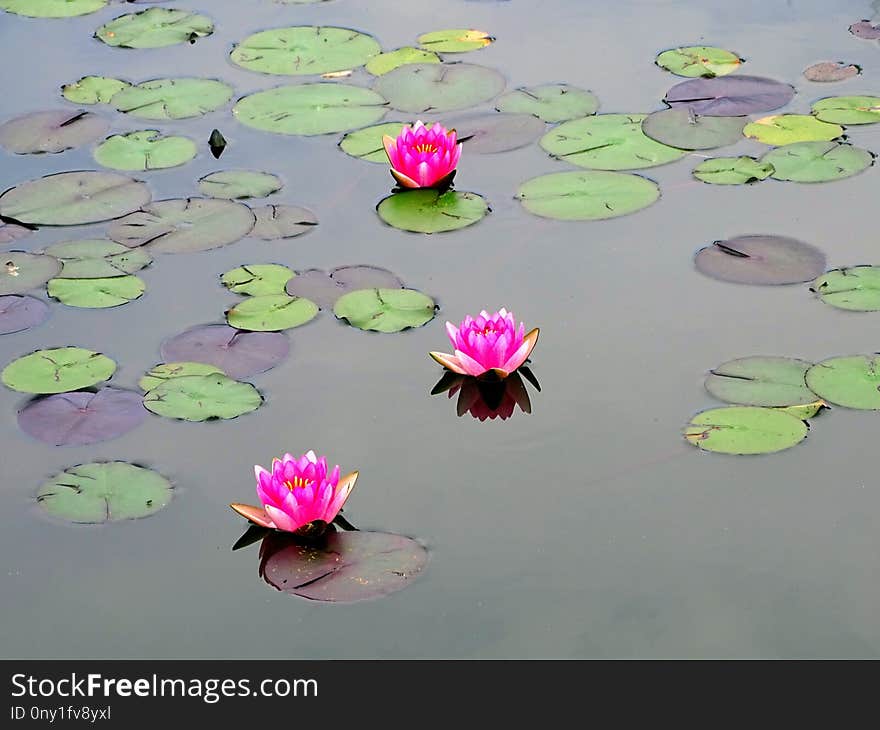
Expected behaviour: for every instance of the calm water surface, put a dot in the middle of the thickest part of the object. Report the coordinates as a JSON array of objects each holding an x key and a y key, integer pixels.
[{"x": 587, "y": 529}]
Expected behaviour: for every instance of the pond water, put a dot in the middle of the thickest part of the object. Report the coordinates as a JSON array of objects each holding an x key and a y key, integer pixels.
[{"x": 588, "y": 528}]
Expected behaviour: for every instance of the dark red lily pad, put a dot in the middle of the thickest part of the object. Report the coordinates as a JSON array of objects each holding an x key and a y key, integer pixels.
[
  {"x": 51, "y": 131},
  {"x": 761, "y": 260},
  {"x": 496, "y": 131},
  {"x": 19, "y": 313},
  {"x": 828, "y": 71},
  {"x": 324, "y": 289},
  {"x": 10, "y": 232},
  {"x": 344, "y": 567},
  {"x": 730, "y": 96},
  {"x": 235, "y": 352},
  {"x": 79, "y": 417},
  {"x": 866, "y": 30}
]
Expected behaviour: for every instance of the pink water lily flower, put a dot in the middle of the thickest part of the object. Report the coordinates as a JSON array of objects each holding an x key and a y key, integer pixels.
[
  {"x": 298, "y": 495},
  {"x": 489, "y": 343},
  {"x": 421, "y": 157}
]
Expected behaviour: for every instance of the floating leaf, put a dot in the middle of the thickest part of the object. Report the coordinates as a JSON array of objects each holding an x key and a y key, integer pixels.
[
  {"x": 455, "y": 40},
  {"x": 856, "y": 288},
  {"x": 730, "y": 96},
  {"x": 366, "y": 143},
  {"x": 385, "y": 62},
  {"x": 202, "y": 397},
  {"x": 495, "y": 132},
  {"x": 745, "y": 430},
  {"x": 761, "y": 381},
  {"x": 73, "y": 198},
  {"x": 282, "y": 221},
  {"x": 732, "y": 170},
  {"x": 166, "y": 371},
  {"x": 238, "y": 184},
  {"x": 848, "y": 109},
  {"x": 104, "y": 492},
  {"x": 144, "y": 150},
  {"x": 865, "y": 30},
  {"x": 324, "y": 289},
  {"x": 238, "y": 354},
  {"x": 810, "y": 162},
  {"x": 439, "y": 87},
  {"x": 608, "y": 142},
  {"x": 699, "y": 61},
  {"x": 96, "y": 293},
  {"x": 432, "y": 211},
  {"x": 21, "y": 272},
  {"x": 385, "y": 310},
  {"x": 93, "y": 90},
  {"x": 852, "y": 382},
  {"x": 97, "y": 259},
  {"x": 57, "y": 370},
  {"x": 688, "y": 131},
  {"x": 184, "y": 225},
  {"x": 21, "y": 313},
  {"x": 310, "y": 109},
  {"x": 550, "y": 102},
  {"x": 10, "y": 232},
  {"x": 76, "y": 419},
  {"x": 271, "y": 313},
  {"x": 782, "y": 129},
  {"x": 828, "y": 71},
  {"x": 155, "y": 28},
  {"x": 178, "y": 98},
  {"x": 51, "y": 131},
  {"x": 51, "y": 8},
  {"x": 590, "y": 195},
  {"x": 760, "y": 260},
  {"x": 257, "y": 279},
  {"x": 304, "y": 50}
]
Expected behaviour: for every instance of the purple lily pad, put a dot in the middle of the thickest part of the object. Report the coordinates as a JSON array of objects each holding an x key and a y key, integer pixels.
[
  {"x": 730, "y": 96},
  {"x": 10, "y": 232},
  {"x": 324, "y": 289},
  {"x": 866, "y": 30},
  {"x": 51, "y": 131},
  {"x": 496, "y": 131},
  {"x": 78, "y": 418},
  {"x": 235, "y": 352},
  {"x": 828, "y": 71},
  {"x": 345, "y": 567},
  {"x": 764, "y": 260},
  {"x": 21, "y": 313}
]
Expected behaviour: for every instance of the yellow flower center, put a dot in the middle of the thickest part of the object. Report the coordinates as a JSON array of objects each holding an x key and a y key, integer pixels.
[
  {"x": 299, "y": 483},
  {"x": 425, "y": 147}
]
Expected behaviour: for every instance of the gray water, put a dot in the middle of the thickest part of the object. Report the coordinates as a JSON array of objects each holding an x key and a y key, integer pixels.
[{"x": 586, "y": 529}]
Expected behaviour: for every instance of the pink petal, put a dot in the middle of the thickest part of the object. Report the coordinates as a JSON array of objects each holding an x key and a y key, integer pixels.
[
  {"x": 471, "y": 366},
  {"x": 450, "y": 362},
  {"x": 282, "y": 520}
]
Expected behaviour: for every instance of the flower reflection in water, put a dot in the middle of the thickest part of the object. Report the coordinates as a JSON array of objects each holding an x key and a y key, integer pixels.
[{"x": 487, "y": 398}]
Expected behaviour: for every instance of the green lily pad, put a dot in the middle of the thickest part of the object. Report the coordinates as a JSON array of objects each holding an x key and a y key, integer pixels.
[
  {"x": 155, "y": 28},
  {"x": 733, "y": 170},
  {"x": 591, "y": 195},
  {"x": 856, "y": 288},
  {"x": 385, "y": 62},
  {"x": 699, "y": 61},
  {"x": 21, "y": 272},
  {"x": 144, "y": 150},
  {"x": 51, "y": 131},
  {"x": 104, "y": 492},
  {"x": 848, "y": 109},
  {"x": 385, "y": 310},
  {"x": 166, "y": 371},
  {"x": 781, "y": 129},
  {"x": 97, "y": 259},
  {"x": 184, "y": 225},
  {"x": 432, "y": 211},
  {"x": 239, "y": 184},
  {"x": 366, "y": 144},
  {"x": 258, "y": 279},
  {"x": 745, "y": 430},
  {"x": 550, "y": 102},
  {"x": 57, "y": 370},
  {"x": 810, "y": 162},
  {"x": 684, "y": 129},
  {"x": 310, "y": 109},
  {"x": 96, "y": 293},
  {"x": 52, "y": 8},
  {"x": 202, "y": 397},
  {"x": 73, "y": 198},
  {"x": 455, "y": 40},
  {"x": 304, "y": 50},
  {"x": 93, "y": 89},
  {"x": 608, "y": 142},
  {"x": 761, "y": 381},
  {"x": 271, "y": 313},
  {"x": 282, "y": 221},
  {"x": 852, "y": 382},
  {"x": 177, "y": 98},
  {"x": 439, "y": 87}
]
